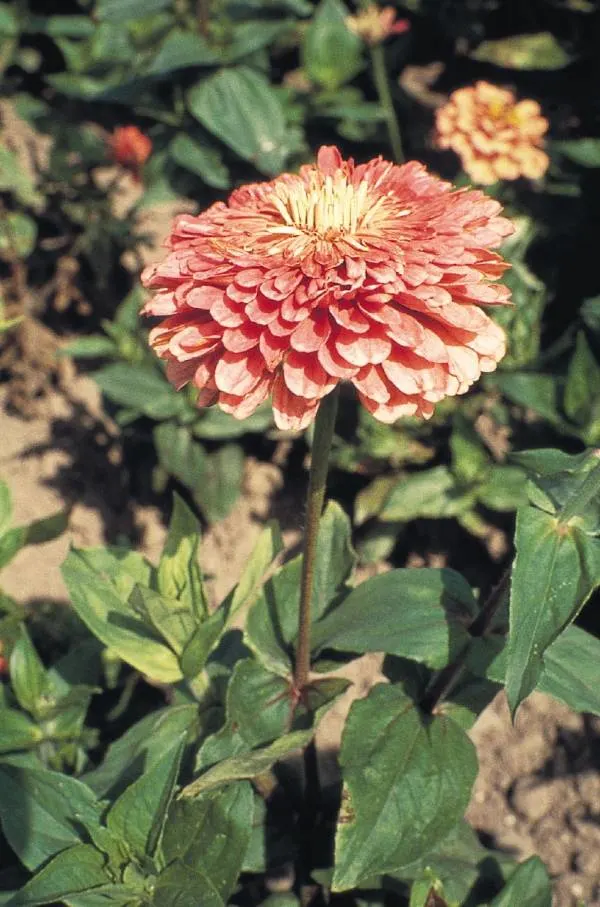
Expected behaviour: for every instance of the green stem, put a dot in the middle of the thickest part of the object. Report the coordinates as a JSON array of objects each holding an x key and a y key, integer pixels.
[
  {"x": 382, "y": 85},
  {"x": 323, "y": 435},
  {"x": 588, "y": 490}
]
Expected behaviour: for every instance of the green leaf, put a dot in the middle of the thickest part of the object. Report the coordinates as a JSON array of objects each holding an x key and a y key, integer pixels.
[
  {"x": 504, "y": 490},
  {"x": 248, "y": 765},
  {"x": 220, "y": 485},
  {"x": 141, "y": 746},
  {"x": 119, "y": 11},
  {"x": 583, "y": 151},
  {"x": 431, "y": 493},
  {"x": 74, "y": 870},
  {"x": 62, "y": 26},
  {"x": 211, "y": 834},
  {"x": 331, "y": 53},
  {"x": 271, "y": 627},
  {"x": 140, "y": 813},
  {"x": 200, "y": 158},
  {"x": 470, "y": 460},
  {"x": 536, "y": 51},
  {"x": 11, "y": 543},
  {"x": 27, "y": 673},
  {"x": 537, "y": 392},
  {"x": 555, "y": 571},
  {"x": 172, "y": 621},
  {"x": 179, "y": 575},
  {"x": 268, "y": 546},
  {"x": 201, "y": 643},
  {"x": 142, "y": 389},
  {"x": 42, "y": 811},
  {"x": 46, "y": 530},
  {"x": 216, "y": 425},
  {"x": 9, "y": 23},
  {"x": 414, "y": 613},
  {"x": 18, "y": 234},
  {"x": 5, "y": 507},
  {"x": 180, "y": 455},
  {"x": 94, "y": 347},
  {"x": 18, "y": 732},
  {"x": 111, "y": 619},
  {"x": 407, "y": 782},
  {"x": 179, "y": 886},
  {"x": 13, "y": 178},
  {"x": 528, "y": 886},
  {"x": 581, "y": 398},
  {"x": 240, "y": 108}
]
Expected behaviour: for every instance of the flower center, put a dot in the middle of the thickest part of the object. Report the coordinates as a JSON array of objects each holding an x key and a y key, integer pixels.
[{"x": 328, "y": 208}]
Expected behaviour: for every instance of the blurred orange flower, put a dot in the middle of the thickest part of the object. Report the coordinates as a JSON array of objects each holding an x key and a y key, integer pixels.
[
  {"x": 374, "y": 24},
  {"x": 130, "y": 148},
  {"x": 372, "y": 273},
  {"x": 496, "y": 137}
]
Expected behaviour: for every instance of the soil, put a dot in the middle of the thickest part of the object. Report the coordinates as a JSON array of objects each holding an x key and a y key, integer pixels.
[{"x": 539, "y": 786}]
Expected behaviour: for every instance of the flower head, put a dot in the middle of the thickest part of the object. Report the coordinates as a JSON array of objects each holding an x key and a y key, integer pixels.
[
  {"x": 130, "y": 147},
  {"x": 374, "y": 24},
  {"x": 370, "y": 273},
  {"x": 495, "y": 137}
]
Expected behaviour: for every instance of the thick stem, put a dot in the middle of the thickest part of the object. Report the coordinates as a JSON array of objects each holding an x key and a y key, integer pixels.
[
  {"x": 382, "y": 85},
  {"x": 444, "y": 682},
  {"x": 588, "y": 489},
  {"x": 323, "y": 435}
]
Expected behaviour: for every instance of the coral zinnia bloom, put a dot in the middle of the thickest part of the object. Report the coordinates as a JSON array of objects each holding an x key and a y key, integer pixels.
[
  {"x": 372, "y": 273},
  {"x": 495, "y": 137},
  {"x": 374, "y": 24},
  {"x": 130, "y": 148}
]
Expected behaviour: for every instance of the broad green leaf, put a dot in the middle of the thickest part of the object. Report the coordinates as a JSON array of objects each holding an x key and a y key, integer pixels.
[
  {"x": 583, "y": 378},
  {"x": 141, "y": 746},
  {"x": 220, "y": 485},
  {"x": 27, "y": 673},
  {"x": 240, "y": 108},
  {"x": 171, "y": 620},
  {"x": 540, "y": 393},
  {"x": 9, "y": 23},
  {"x": 216, "y": 425},
  {"x": 18, "y": 732},
  {"x": 119, "y": 11},
  {"x": 200, "y": 158},
  {"x": 114, "y": 623},
  {"x": 272, "y": 622},
  {"x": 13, "y": 178},
  {"x": 536, "y": 51},
  {"x": 140, "y": 388},
  {"x": 62, "y": 26},
  {"x": 248, "y": 765},
  {"x": 268, "y": 546},
  {"x": 42, "y": 811},
  {"x": 74, "y": 870},
  {"x": 11, "y": 543},
  {"x": 201, "y": 643},
  {"x": 430, "y": 493},
  {"x": 123, "y": 568},
  {"x": 420, "y": 614},
  {"x": 407, "y": 781},
  {"x": 371, "y": 499},
  {"x": 583, "y": 151},
  {"x": 504, "y": 490},
  {"x": 180, "y": 455},
  {"x": 179, "y": 574},
  {"x": 139, "y": 815},
  {"x": 180, "y": 886},
  {"x": 18, "y": 234},
  {"x": 548, "y": 461},
  {"x": 211, "y": 833},
  {"x": 45, "y": 530},
  {"x": 555, "y": 571},
  {"x": 528, "y": 886},
  {"x": 470, "y": 460},
  {"x": 331, "y": 53}
]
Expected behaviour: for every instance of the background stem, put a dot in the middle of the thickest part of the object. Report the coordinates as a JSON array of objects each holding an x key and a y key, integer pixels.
[
  {"x": 382, "y": 85},
  {"x": 323, "y": 434}
]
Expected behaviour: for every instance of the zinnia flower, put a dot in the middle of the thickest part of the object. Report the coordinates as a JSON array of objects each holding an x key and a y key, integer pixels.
[
  {"x": 130, "y": 148},
  {"x": 495, "y": 137},
  {"x": 371, "y": 273},
  {"x": 374, "y": 24}
]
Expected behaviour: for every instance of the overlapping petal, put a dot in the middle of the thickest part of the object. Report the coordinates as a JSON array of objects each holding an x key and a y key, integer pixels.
[
  {"x": 371, "y": 273},
  {"x": 496, "y": 137}
]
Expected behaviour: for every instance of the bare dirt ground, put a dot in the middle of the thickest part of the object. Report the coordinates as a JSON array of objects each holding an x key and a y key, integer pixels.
[{"x": 539, "y": 787}]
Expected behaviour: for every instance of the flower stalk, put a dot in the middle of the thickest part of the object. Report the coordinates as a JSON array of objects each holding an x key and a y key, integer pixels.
[
  {"x": 382, "y": 85},
  {"x": 322, "y": 438}
]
